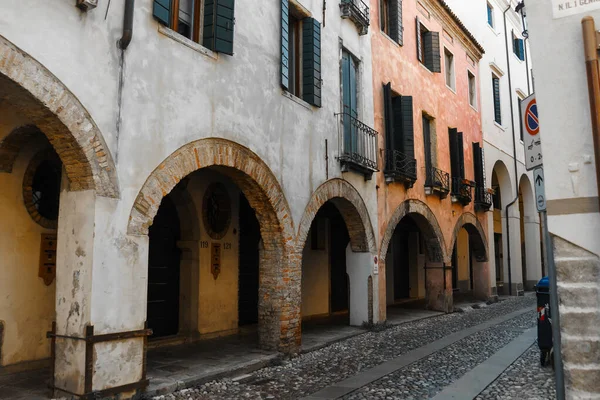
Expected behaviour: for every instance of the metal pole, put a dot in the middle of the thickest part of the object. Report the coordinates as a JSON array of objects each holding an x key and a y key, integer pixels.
[{"x": 555, "y": 315}]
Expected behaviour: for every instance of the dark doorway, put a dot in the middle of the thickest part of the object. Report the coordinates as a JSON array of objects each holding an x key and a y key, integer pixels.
[
  {"x": 163, "y": 271},
  {"x": 339, "y": 239},
  {"x": 248, "y": 264},
  {"x": 401, "y": 257},
  {"x": 455, "y": 267}
]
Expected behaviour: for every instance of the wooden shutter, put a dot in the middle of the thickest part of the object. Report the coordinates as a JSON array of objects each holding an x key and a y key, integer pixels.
[
  {"x": 218, "y": 25},
  {"x": 161, "y": 10},
  {"x": 432, "y": 51},
  {"x": 478, "y": 165},
  {"x": 521, "y": 50},
  {"x": 461, "y": 155},
  {"x": 404, "y": 125},
  {"x": 311, "y": 61},
  {"x": 419, "y": 42},
  {"x": 285, "y": 45},
  {"x": 395, "y": 21},
  {"x": 454, "y": 160},
  {"x": 389, "y": 116},
  {"x": 427, "y": 142},
  {"x": 497, "y": 109}
]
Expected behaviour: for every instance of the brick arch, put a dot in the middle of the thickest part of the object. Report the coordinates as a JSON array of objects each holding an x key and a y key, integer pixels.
[
  {"x": 280, "y": 269},
  {"x": 352, "y": 208},
  {"x": 30, "y": 89},
  {"x": 476, "y": 232},
  {"x": 428, "y": 225}
]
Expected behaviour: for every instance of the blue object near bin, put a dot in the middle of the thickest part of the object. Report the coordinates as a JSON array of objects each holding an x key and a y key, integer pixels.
[{"x": 544, "y": 319}]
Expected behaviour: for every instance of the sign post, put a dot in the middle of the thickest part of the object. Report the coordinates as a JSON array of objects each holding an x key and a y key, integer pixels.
[
  {"x": 540, "y": 189},
  {"x": 530, "y": 123}
]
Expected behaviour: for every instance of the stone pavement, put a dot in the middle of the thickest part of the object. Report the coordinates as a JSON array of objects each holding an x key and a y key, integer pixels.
[
  {"x": 429, "y": 356},
  {"x": 30, "y": 385}
]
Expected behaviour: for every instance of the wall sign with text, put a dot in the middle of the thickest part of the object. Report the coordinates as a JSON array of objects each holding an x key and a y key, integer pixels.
[{"x": 565, "y": 8}]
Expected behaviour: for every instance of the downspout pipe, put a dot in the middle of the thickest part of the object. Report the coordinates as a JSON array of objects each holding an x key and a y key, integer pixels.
[
  {"x": 127, "y": 25},
  {"x": 514, "y": 140}
]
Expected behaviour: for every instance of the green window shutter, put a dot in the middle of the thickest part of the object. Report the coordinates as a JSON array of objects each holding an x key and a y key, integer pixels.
[
  {"x": 161, "y": 10},
  {"x": 396, "y": 21},
  {"x": 427, "y": 141},
  {"x": 311, "y": 61},
  {"x": 419, "y": 42},
  {"x": 454, "y": 160},
  {"x": 404, "y": 135},
  {"x": 285, "y": 45},
  {"x": 478, "y": 165},
  {"x": 432, "y": 51},
  {"x": 461, "y": 155},
  {"x": 389, "y": 116},
  {"x": 218, "y": 25},
  {"x": 521, "y": 50},
  {"x": 497, "y": 109}
]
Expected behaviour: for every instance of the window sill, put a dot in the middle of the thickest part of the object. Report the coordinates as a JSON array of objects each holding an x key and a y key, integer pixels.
[
  {"x": 473, "y": 107},
  {"x": 425, "y": 67},
  {"x": 499, "y": 126},
  {"x": 187, "y": 42},
  {"x": 517, "y": 58},
  {"x": 390, "y": 39},
  {"x": 296, "y": 99},
  {"x": 493, "y": 29},
  {"x": 451, "y": 89}
]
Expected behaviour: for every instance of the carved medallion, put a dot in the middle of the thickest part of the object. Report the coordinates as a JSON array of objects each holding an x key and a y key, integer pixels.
[{"x": 216, "y": 210}]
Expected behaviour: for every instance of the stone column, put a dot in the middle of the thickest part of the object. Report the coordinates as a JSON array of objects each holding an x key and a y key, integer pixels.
[
  {"x": 438, "y": 289},
  {"x": 533, "y": 251},
  {"x": 514, "y": 221},
  {"x": 491, "y": 255},
  {"x": 359, "y": 267}
]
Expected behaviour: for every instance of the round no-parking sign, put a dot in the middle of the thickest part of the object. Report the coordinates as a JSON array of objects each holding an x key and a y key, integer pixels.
[{"x": 532, "y": 122}]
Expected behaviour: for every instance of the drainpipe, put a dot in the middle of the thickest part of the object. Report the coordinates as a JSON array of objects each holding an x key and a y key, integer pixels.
[
  {"x": 590, "y": 46},
  {"x": 127, "y": 25},
  {"x": 512, "y": 121}
]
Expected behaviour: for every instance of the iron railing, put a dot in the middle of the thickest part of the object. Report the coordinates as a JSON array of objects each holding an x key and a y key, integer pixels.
[
  {"x": 358, "y": 12},
  {"x": 357, "y": 144},
  {"x": 461, "y": 191},
  {"x": 398, "y": 166},
  {"x": 437, "y": 180},
  {"x": 483, "y": 198}
]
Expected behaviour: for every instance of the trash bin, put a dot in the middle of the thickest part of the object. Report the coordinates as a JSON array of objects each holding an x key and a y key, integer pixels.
[{"x": 544, "y": 321}]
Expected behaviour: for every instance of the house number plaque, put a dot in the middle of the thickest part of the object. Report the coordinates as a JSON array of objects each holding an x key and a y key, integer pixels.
[
  {"x": 47, "y": 270},
  {"x": 215, "y": 259}
]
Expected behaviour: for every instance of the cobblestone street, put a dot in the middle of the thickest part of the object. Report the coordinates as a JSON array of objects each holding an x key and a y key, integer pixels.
[{"x": 419, "y": 360}]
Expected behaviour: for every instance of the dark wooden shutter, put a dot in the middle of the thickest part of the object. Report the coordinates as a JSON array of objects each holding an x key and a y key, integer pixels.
[
  {"x": 461, "y": 155},
  {"x": 427, "y": 142},
  {"x": 478, "y": 165},
  {"x": 218, "y": 25},
  {"x": 395, "y": 21},
  {"x": 497, "y": 109},
  {"x": 432, "y": 51},
  {"x": 454, "y": 160},
  {"x": 521, "y": 50},
  {"x": 419, "y": 42},
  {"x": 389, "y": 116},
  {"x": 404, "y": 135},
  {"x": 311, "y": 61},
  {"x": 161, "y": 10},
  {"x": 285, "y": 45}
]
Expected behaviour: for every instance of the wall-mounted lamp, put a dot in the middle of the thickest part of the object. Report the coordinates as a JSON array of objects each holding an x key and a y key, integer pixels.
[
  {"x": 520, "y": 8},
  {"x": 86, "y": 5}
]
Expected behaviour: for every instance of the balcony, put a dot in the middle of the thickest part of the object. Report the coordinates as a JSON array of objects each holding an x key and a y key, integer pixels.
[
  {"x": 357, "y": 146},
  {"x": 483, "y": 199},
  {"x": 461, "y": 191},
  {"x": 358, "y": 12},
  {"x": 437, "y": 182},
  {"x": 400, "y": 168}
]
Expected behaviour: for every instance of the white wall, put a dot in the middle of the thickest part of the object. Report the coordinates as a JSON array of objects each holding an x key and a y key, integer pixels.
[{"x": 316, "y": 277}]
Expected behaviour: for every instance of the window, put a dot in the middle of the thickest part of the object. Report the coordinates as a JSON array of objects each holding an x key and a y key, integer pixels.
[
  {"x": 490, "y": 15},
  {"x": 399, "y": 133},
  {"x": 429, "y": 141},
  {"x": 479, "y": 166},
  {"x": 472, "y": 89},
  {"x": 428, "y": 48},
  {"x": 391, "y": 19},
  {"x": 349, "y": 97},
  {"x": 300, "y": 54},
  {"x": 197, "y": 21},
  {"x": 518, "y": 47},
  {"x": 497, "y": 106},
  {"x": 449, "y": 69}
]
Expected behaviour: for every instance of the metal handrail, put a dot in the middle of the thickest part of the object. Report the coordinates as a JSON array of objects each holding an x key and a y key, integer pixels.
[
  {"x": 436, "y": 178},
  {"x": 483, "y": 197},
  {"x": 461, "y": 188},
  {"x": 399, "y": 163},
  {"x": 357, "y": 142},
  {"x": 359, "y": 7}
]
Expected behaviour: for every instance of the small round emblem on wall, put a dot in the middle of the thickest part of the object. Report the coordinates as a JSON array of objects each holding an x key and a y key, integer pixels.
[{"x": 216, "y": 210}]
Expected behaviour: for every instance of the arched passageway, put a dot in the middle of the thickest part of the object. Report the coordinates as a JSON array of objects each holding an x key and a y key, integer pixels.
[
  {"x": 503, "y": 195},
  {"x": 414, "y": 256},
  {"x": 531, "y": 258},
  {"x": 337, "y": 243}
]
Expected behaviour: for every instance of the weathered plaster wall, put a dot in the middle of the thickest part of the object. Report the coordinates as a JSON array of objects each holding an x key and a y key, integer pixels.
[
  {"x": 449, "y": 108},
  {"x": 27, "y": 306},
  {"x": 315, "y": 278}
]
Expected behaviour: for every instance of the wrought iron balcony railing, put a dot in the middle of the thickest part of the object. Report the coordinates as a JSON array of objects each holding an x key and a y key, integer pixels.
[
  {"x": 437, "y": 181},
  {"x": 461, "y": 191},
  {"x": 357, "y": 145},
  {"x": 400, "y": 167},
  {"x": 358, "y": 12},
  {"x": 483, "y": 198}
]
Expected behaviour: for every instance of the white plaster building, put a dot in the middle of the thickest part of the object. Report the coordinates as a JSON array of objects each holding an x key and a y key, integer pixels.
[
  {"x": 232, "y": 156},
  {"x": 505, "y": 79}
]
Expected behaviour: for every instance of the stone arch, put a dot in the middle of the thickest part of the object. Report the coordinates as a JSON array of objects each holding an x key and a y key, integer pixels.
[
  {"x": 32, "y": 90},
  {"x": 280, "y": 273},
  {"x": 353, "y": 209},
  {"x": 428, "y": 225},
  {"x": 504, "y": 181},
  {"x": 476, "y": 232}
]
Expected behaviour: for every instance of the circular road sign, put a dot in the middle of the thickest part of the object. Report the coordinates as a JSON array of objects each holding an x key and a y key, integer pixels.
[{"x": 532, "y": 123}]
